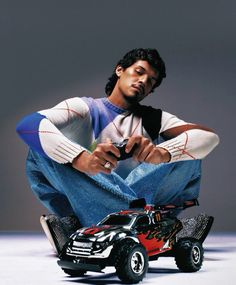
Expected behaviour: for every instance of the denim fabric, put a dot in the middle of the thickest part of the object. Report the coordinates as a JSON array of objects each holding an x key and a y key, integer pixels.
[{"x": 65, "y": 191}]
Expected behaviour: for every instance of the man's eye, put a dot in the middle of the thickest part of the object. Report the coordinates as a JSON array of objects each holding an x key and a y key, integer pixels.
[{"x": 138, "y": 72}]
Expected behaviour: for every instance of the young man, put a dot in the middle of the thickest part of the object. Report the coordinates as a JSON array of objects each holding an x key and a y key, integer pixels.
[{"x": 74, "y": 168}]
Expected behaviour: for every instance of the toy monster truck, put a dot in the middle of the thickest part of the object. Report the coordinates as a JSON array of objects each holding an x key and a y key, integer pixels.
[{"x": 129, "y": 239}]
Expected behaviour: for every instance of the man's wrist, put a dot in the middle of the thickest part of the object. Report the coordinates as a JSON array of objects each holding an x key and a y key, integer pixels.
[
  {"x": 75, "y": 162},
  {"x": 166, "y": 156}
]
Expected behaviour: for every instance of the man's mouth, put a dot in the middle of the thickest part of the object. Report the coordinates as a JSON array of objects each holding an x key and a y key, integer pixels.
[{"x": 139, "y": 88}]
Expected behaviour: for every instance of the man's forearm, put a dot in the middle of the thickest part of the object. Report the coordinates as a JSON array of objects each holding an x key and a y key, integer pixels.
[
  {"x": 192, "y": 144},
  {"x": 42, "y": 130},
  {"x": 44, "y": 137}
]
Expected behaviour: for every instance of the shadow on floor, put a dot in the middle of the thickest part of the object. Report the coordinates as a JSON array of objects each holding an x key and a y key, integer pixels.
[
  {"x": 162, "y": 270},
  {"x": 98, "y": 279},
  {"x": 107, "y": 278}
]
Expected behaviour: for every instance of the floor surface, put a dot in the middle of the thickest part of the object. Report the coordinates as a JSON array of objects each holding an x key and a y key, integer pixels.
[{"x": 27, "y": 259}]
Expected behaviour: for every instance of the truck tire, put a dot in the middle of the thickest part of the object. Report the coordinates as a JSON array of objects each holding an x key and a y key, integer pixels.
[
  {"x": 132, "y": 262},
  {"x": 189, "y": 255}
]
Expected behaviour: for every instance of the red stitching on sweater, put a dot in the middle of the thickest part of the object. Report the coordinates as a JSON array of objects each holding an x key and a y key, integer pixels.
[
  {"x": 187, "y": 153},
  {"x": 184, "y": 148},
  {"x": 69, "y": 110}
]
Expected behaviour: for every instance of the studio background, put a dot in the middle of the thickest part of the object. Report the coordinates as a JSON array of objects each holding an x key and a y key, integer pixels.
[{"x": 53, "y": 50}]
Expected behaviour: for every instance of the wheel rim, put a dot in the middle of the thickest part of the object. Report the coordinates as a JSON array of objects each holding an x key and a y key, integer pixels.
[
  {"x": 137, "y": 262},
  {"x": 196, "y": 254}
]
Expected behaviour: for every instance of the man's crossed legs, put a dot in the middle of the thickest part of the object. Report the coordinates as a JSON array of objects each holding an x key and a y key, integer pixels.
[
  {"x": 65, "y": 191},
  {"x": 77, "y": 199}
]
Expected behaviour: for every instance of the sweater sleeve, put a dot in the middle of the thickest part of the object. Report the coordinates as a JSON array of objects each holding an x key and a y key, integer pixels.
[
  {"x": 42, "y": 130},
  {"x": 191, "y": 144},
  {"x": 169, "y": 121}
]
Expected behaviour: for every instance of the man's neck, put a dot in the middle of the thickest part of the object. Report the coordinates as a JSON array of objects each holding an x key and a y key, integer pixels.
[{"x": 117, "y": 99}]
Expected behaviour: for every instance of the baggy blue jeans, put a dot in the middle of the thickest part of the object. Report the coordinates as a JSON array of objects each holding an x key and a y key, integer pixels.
[{"x": 65, "y": 191}]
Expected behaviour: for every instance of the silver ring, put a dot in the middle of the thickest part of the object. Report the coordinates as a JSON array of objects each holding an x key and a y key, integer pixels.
[{"x": 107, "y": 165}]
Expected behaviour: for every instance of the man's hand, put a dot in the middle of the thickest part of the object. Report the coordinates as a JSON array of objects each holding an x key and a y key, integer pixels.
[
  {"x": 146, "y": 151},
  {"x": 94, "y": 163}
]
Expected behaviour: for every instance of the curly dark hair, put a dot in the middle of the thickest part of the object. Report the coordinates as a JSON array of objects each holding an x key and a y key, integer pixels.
[{"x": 150, "y": 55}]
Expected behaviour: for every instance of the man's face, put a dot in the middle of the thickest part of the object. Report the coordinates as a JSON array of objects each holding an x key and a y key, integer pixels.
[{"x": 136, "y": 81}]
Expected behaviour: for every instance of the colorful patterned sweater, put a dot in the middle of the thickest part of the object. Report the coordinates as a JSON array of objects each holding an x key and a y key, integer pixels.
[{"x": 64, "y": 131}]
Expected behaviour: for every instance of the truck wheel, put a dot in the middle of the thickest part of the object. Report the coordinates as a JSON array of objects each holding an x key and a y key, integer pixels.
[
  {"x": 189, "y": 255},
  {"x": 132, "y": 263},
  {"x": 74, "y": 273}
]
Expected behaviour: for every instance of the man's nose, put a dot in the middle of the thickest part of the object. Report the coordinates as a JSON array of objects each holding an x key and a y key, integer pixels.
[{"x": 143, "y": 80}]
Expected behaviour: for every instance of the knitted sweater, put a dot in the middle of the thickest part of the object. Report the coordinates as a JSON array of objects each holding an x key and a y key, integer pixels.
[{"x": 64, "y": 131}]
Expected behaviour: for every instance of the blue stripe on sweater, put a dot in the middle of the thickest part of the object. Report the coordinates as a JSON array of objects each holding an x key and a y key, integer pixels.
[
  {"x": 28, "y": 130},
  {"x": 100, "y": 114}
]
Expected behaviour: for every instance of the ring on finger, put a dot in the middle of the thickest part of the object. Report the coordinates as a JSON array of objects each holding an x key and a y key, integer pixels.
[{"x": 107, "y": 165}]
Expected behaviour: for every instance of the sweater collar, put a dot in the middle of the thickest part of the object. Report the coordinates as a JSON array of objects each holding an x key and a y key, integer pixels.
[
  {"x": 113, "y": 107},
  {"x": 117, "y": 109}
]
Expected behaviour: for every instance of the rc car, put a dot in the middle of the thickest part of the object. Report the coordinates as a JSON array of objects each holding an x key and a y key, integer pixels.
[{"x": 129, "y": 239}]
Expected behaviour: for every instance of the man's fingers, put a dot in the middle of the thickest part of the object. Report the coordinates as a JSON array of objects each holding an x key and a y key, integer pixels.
[
  {"x": 108, "y": 147},
  {"x": 143, "y": 147},
  {"x": 114, "y": 150},
  {"x": 131, "y": 142},
  {"x": 100, "y": 161},
  {"x": 142, "y": 155},
  {"x": 110, "y": 158},
  {"x": 104, "y": 154},
  {"x": 101, "y": 168},
  {"x": 102, "y": 158},
  {"x": 149, "y": 157}
]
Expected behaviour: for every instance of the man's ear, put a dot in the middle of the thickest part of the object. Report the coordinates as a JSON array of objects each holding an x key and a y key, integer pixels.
[{"x": 119, "y": 70}]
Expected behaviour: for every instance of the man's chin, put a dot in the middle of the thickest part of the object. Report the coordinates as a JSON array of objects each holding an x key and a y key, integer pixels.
[{"x": 133, "y": 99}]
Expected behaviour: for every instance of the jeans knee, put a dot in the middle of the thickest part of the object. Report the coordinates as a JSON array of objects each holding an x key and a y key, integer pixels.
[{"x": 192, "y": 168}]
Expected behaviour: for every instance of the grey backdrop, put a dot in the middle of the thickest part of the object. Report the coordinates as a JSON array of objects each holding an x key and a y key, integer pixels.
[{"x": 52, "y": 50}]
